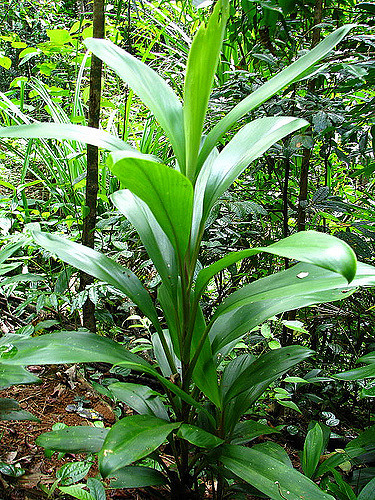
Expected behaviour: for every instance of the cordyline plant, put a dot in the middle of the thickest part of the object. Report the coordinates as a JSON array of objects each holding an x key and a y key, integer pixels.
[{"x": 199, "y": 414}]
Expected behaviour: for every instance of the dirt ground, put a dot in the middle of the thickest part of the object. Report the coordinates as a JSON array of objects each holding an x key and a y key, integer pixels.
[{"x": 48, "y": 401}]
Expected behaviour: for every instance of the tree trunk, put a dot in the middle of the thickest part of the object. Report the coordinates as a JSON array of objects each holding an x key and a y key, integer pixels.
[
  {"x": 89, "y": 220},
  {"x": 302, "y": 198}
]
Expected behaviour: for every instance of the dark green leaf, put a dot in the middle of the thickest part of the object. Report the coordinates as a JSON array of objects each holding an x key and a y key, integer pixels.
[
  {"x": 312, "y": 449},
  {"x": 202, "y": 62},
  {"x": 150, "y": 87},
  {"x": 199, "y": 437},
  {"x": 11, "y": 410},
  {"x": 68, "y": 131},
  {"x": 135, "y": 476},
  {"x": 153, "y": 237},
  {"x": 264, "y": 370},
  {"x": 276, "y": 83},
  {"x": 11, "y": 375},
  {"x": 247, "y": 145},
  {"x": 274, "y": 450},
  {"x": 167, "y": 193},
  {"x": 368, "y": 492},
  {"x": 140, "y": 398},
  {"x": 80, "y": 438},
  {"x": 70, "y": 347},
  {"x": 311, "y": 247},
  {"x": 269, "y": 475},
  {"x": 131, "y": 439},
  {"x": 96, "y": 488},
  {"x": 248, "y": 430},
  {"x": 298, "y": 286}
]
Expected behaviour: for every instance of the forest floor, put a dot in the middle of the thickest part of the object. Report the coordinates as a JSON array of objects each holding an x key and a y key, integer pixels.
[{"x": 48, "y": 401}]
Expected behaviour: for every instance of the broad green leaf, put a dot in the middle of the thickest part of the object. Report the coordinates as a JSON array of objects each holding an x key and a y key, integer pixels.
[
  {"x": 160, "y": 354},
  {"x": 101, "y": 267},
  {"x": 247, "y": 145},
  {"x": 199, "y": 437},
  {"x": 205, "y": 373},
  {"x": 201, "y": 66},
  {"x": 72, "y": 472},
  {"x": 140, "y": 398},
  {"x": 238, "y": 375},
  {"x": 265, "y": 369},
  {"x": 233, "y": 370},
  {"x": 59, "y": 36},
  {"x": 69, "y": 347},
  {"x": 274, "y": 450},
  {"x": 170, "y": 386},
  {"x": 6, "y": 268},
  {"x": 172, "y": 314},
  {"x": 288, "y": 404},
  {"x": 312, "y": 247},
  {"x": 12, "y": 375},
  {"x": 77, "y": 491},
  {"x": 362, "y": 372},
  {"x": 312, "y": 449},
  {"x": 368, "y": 492},
  {"x": 337, "y": 459},
  {"x": 67, "y": 131},
  {"x": 131, "y": 439},
  {"x": 5, "y": 62},
  {"x": 96, "y": 488},
  {"x": 285, "y": 77},
  {"x": 11, "y": 410},
  {"x": 365, "y": 441},
  {"x": 341, "y": 488},
  {"x": 299, "y": 286},
  {"x": 153, "y": 237},
  {"x": 80, "y": 438},
  {"x": 9, "y": 250},
  {"x": 167, "y": 193},
  {"x": 134, "y": 476},
  {"x": 248, "y": 430},
  {"x": 20, "y": 278},
  {"x": 270, "y": 476},
  {"x": 150, "y": 87}
]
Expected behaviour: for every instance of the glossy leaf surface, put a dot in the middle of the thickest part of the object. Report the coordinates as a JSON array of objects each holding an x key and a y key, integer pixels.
[
  {"x": 167, "y": 193},
  {"x": 67, "y": 131},
  {"x": 247, "y": 145},
  {"x": 199, "y": 437},
  {"x": 269, "y": 475},
  {"x": 157, "y": 244},
  {"x": 248, "y": 430},
  {"x": 131, "y": 439},
  {"x": 312, "y": 449},
  {"x": 11, "y": 410},
  {"x": 311, "y": 247},
  {"x": 283, "y": 291},
  {"x": 140, "y": 398},
  {"x": 70, "y": 347},
  {"x": 149, "y": 86},
  {"x": 264, "y": 370},
  {"x": 134, "y": 476},
  {"x": 12, "y": 375},
  {"x": 202, "y": 61},
  {"x": 80, "y": 438},
  {"x": 268, "y": 89}
]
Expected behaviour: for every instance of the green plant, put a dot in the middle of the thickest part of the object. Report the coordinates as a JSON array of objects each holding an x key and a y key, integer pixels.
[{"x": 169, "y": 208}]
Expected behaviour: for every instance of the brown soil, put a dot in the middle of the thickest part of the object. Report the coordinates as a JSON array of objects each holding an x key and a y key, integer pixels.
[{"x": 48, "y": 402}]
